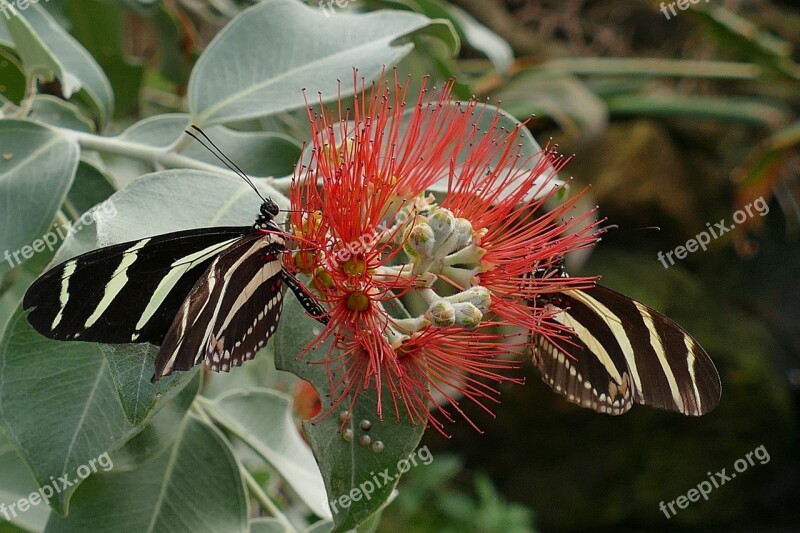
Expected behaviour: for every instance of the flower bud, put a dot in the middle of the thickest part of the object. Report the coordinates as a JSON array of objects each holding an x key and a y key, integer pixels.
[
  {"x": 478, "y": 296},
  {"x": 467, "y": 315},
  {"x": 420, "y": 241},
  {"x": 463, "y": 231},
  {"x": 442, "y": 223},
  {"x": 441, "y": 314}
]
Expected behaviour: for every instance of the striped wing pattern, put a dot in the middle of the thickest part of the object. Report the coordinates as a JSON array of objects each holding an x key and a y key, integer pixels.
[
  {"x": 92, "y": 297},
  {"x": 623, "y": 352},
  {"x": 232, "y": 311}
]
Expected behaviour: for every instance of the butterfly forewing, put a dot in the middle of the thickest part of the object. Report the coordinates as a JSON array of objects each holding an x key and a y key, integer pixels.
[
  {"x": 127, "y": 292},
  {"x": 621, "y": 352},
  {"x": 231, "y": 312}
]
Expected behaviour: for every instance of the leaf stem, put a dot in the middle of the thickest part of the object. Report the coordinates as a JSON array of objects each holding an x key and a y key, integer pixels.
[
  {"x": 264, "y": 499},
  {"x": 168, "y": 159}
]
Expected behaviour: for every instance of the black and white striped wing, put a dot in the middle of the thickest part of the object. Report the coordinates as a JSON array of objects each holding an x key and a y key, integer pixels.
[
  {"x": 623, "y": 352},
  {"x": 232, "y": 311},
  {"x": 127, "y": 292}
]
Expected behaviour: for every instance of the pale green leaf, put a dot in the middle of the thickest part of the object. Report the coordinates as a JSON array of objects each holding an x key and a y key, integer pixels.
[
  {"x": 195, "y": 485},
  {"x": 173, "y": 200},
  {"x": 159, "y": 433},
  {"x": 37, "y": 166},
  {"x": 48, "y": 50},
  {"x": 258, "y": 153},
  {"x": 263, "y": 420},
  {"x": 268, "y": 525},
  {"x": 17, "y": 483},
  {"x": 290, "y": 46},
  {"x": 66, "y": 392},
  {"x": 564, "y": 99},
  {"x": 56, "y": 112},
  {"x": 482, "y": 38}
]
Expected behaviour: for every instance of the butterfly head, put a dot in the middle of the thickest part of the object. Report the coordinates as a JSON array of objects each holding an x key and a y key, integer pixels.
[{"x": 269, "y": 210}]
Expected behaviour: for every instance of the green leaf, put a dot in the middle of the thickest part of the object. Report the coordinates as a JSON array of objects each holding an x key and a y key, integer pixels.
[
  {"x": 47, "y": 50},
  {"x": 482, "y": 38},
  {"x": 735, "y": 31},
  {"x": 131, "y": 366},
  {"x": 263, "y": 420},
  {"x": 564, "y": 99},
  {"x": 323, "y": 526},
  {"x": 16, "y": 484},
  {"x": 289, "y": 47},
  {"x": 268, "y": 525},
  {"x": 98, "y": 25},
  {"x": 56, "y": 112},
  {"x": 173, "y": 200},
  {"x": 159, "y": 433},
  {"x": 90, "y": 188},
  {"x": 66, "y": 391},
  {"x": 257, "y": 153},
  {"x": 195, "y": 485},
  {"x": 743, "y": 110},
  {"x": 352, "y": 471},
  {"x": 12, "y": 77},
  {"x": 36, "y": 171}
]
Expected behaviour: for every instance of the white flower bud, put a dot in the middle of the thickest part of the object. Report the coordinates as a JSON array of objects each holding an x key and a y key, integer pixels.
[
  {"x": 441, "y": 314},
  {"x": 420, "y": 241},
  {"x": 467, "y": 315}
]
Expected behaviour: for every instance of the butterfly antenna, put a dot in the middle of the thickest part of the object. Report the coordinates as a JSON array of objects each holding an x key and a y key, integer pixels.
[{"x": 219, "y": 154}]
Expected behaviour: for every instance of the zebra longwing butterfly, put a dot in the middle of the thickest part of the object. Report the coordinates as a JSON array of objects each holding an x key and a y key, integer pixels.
[
  {"x": 213, "y": 294},
  {"x": 621, "y": 352}
]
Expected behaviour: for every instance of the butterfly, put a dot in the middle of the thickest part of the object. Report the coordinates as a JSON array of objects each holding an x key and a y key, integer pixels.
[
  {"x": 212, "y": 295},
  {"x": 619, "y": 351}
]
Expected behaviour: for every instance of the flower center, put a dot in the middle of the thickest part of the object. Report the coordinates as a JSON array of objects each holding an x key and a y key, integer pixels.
[
  {"x": 357, "y": 301},
  {"x": 355, "y": 266},
  {"x": 305, "y": 260}
]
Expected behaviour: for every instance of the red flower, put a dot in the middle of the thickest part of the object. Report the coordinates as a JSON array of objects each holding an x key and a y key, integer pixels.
[{"x": 377, "y": 235}]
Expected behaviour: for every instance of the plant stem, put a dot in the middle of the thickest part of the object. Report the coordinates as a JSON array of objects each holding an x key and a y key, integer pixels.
[
  {"x": 264, "y": 499},
  {"x": 168, "y": 159}
]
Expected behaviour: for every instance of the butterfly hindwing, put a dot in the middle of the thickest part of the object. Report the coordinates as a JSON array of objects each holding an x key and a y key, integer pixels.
[
  {"x": 127, "y": 292},
  {"x": 621, "y": 352},
  {"x": 231, "y": 312}
]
